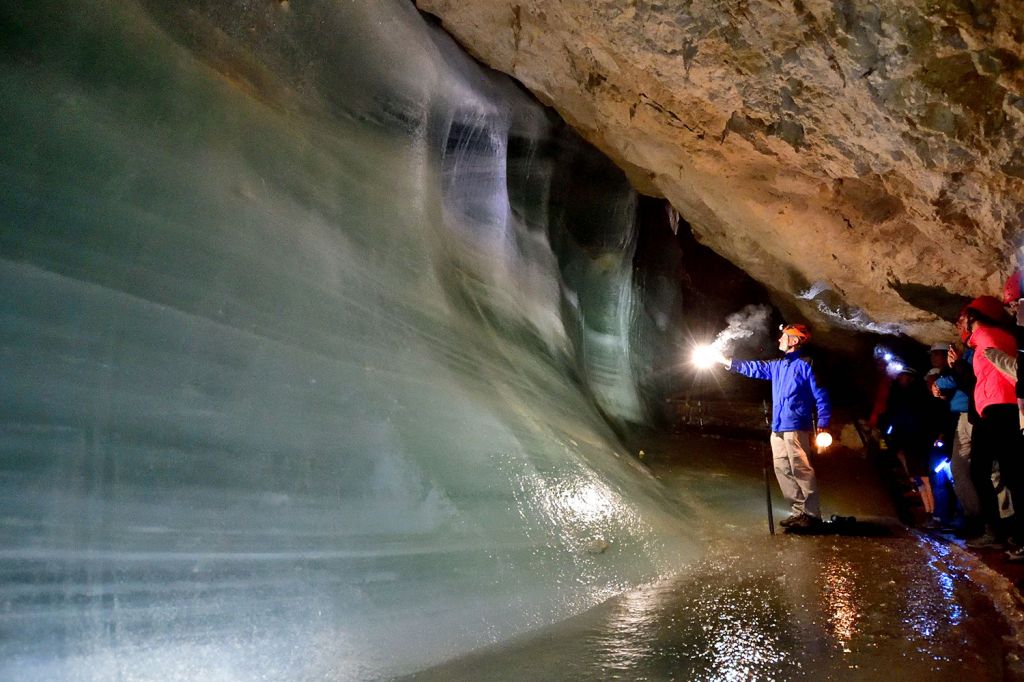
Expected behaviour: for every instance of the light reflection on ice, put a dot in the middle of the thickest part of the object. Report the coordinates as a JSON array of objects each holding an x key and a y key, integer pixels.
[
  {"x": 588, "y": 502},
  {"x": 742, "y": 649},
  {"x": 932, "y": 605},
  {"x": 630, "y": 637},
  {"x": 940, "y": 567},
  {"x": 840, "y": 580}
]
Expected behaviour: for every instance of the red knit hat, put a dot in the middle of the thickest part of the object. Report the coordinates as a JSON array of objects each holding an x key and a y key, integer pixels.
[{"x": 990, "y": 307}]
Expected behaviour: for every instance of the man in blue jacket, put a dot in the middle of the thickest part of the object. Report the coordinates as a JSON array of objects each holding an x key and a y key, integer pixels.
[{"x": 795, "y": 396}]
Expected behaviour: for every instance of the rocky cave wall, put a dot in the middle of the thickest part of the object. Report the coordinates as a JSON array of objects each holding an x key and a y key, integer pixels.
[{"x": 861, "y": 159}]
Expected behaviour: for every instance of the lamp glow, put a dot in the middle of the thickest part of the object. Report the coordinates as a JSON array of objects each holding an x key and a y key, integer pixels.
[
  {"x": 705, "y": 357},
  {"x": 823, "y": 440}
]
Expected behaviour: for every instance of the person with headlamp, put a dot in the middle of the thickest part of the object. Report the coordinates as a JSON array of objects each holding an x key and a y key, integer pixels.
[{"x": 796, "y": 395}]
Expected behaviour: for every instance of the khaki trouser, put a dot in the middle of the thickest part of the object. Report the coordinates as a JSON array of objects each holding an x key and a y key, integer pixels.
[
  {"x": 794, "y": 471},
  {"x": 960, "y": 467}
]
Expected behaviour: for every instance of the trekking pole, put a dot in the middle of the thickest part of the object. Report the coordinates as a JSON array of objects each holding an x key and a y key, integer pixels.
[{"x": 765, "y": 462}]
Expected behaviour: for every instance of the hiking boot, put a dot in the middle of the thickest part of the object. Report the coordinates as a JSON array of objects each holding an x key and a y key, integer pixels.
[
  {"x": 790, "y": 520},
  {"x": 804, "y": 522},
  {"x": 985, "y": 541}
]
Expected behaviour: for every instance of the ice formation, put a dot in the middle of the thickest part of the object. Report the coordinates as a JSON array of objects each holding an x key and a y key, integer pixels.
[{"x": 316, "y": 335}]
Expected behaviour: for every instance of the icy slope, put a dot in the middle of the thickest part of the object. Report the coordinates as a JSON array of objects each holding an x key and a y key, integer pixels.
[{"x": 314, "y": 335}]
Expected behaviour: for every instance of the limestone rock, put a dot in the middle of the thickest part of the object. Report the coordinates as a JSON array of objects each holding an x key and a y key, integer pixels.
[{"x": 865, "y": 159}]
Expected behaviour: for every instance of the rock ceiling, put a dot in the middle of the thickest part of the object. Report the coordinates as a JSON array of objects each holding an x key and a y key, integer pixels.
[{"x": 865, "y": 160}]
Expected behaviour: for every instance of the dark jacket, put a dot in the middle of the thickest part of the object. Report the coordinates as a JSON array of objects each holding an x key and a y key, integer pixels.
[
  {"x": 795, "y": 391},
  {"x": 913, "y": 418}
]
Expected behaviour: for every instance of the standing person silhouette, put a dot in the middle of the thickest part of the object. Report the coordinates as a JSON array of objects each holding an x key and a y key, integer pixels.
[{"x": 796, "y": 394}]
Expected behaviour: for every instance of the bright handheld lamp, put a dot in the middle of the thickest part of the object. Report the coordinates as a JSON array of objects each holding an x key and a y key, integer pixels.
[
  {"x": 705, "y": 357},
  {"x": 823, "y": 440}
]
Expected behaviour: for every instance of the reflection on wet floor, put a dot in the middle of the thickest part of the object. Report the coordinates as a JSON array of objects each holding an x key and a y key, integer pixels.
[
  {"x": 779, "y": 608},
  {"x": 783, "y": 607}
]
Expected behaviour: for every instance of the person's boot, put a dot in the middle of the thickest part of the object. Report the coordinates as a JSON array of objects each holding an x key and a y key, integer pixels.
[
  {"x": 804, "y": 522},
  {"x": 790, "y": 520},
  {"x": 986, "y": 540}
]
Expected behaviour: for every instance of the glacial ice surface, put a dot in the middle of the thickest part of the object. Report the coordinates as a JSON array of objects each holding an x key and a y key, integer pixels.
[{"x": 316, "y": 336}]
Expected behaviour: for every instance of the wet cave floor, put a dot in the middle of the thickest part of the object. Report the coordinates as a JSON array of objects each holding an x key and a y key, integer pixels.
[{"x": 892, "y": 604}]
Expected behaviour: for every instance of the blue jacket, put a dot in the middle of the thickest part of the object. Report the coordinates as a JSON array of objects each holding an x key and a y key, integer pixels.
[
  {"x": 795, "y": 391},
  {"x": 958, "y": 402},
  {"x": 959, "y": 383}
]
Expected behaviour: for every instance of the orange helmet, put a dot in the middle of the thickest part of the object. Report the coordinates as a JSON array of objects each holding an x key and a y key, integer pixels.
[
  {"x": 1011, "y": 290},
  {"x": 800, "y": 331}
]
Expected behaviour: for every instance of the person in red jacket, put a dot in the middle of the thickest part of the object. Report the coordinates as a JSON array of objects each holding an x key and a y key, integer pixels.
[
  {"x": 996, "y": 436},
  {"x": 1012, "y": 297}
]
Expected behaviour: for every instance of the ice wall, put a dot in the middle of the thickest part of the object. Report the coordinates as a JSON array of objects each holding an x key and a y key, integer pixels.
[{"x": 314, "y": 337}]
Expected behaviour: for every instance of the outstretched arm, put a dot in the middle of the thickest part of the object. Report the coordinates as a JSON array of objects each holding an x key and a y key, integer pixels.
[{"x": 755, "y": 369}]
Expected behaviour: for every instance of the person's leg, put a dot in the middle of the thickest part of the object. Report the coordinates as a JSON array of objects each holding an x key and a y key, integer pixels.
[
  {"x": 1006, "y": 423},
  {"x": 960, "y": 467},
  {"x": 918, "y": 468},
  {"x": 982, "y": 456},
  {"x": 798, "y": 443},
  {"x": 927, "y": 499},
  {"x": 784, "y": 472},
  {"x": 1010, "y": 459}
]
